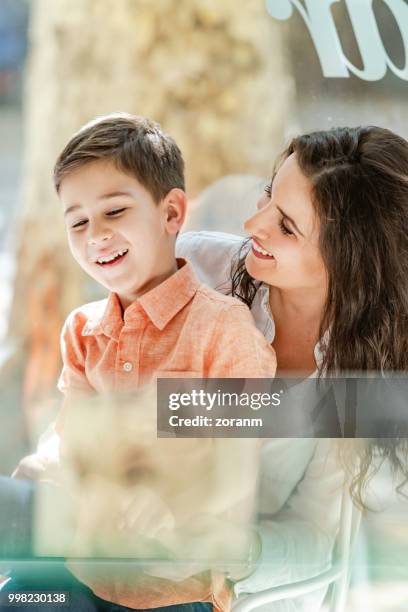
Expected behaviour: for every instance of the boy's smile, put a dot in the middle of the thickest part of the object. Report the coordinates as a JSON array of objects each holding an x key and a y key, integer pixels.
[
  {"x": 116, "y": 231},
  {"x": 113, "y": 259}
]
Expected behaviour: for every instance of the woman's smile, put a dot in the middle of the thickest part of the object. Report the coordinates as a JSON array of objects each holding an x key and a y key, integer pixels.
[{"x": 259, "y": 251}]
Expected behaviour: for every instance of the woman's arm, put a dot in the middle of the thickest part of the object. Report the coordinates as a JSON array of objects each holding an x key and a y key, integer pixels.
[
  {"x": 299, "y": 531},
  {"x": 211, "y": 255}
]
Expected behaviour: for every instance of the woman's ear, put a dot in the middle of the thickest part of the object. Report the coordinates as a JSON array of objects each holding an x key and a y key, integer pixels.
[{"x": 174, "y": 207}]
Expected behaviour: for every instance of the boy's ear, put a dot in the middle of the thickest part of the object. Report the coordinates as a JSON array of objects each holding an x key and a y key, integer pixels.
[{"x": 174, "y": 208}]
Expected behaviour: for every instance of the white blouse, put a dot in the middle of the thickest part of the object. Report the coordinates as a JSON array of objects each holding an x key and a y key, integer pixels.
[{"x": 301, "y": 478}]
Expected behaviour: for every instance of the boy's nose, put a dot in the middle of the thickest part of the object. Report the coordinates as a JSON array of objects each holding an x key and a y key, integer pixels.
[{"x": 99, "y": 235}]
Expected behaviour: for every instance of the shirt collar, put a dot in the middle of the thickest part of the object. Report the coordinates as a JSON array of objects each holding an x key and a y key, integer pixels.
[
  {"x": 109, "y": 322},
  {"x": 160, "y": 304}
]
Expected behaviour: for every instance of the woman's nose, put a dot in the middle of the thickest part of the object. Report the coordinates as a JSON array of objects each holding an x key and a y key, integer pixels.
[{"x": 257, "y": 225}]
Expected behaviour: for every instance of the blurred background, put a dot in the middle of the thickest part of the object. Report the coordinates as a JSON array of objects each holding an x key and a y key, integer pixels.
[{"x": 231, "y": 82}]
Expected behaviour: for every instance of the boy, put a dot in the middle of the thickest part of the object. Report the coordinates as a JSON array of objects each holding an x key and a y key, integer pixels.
[{"x": 120, "y": 180}]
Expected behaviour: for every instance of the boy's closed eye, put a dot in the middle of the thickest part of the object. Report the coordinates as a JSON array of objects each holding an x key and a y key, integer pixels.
[
  {"x": 79, "y": 224},
  {"x": 111, "y": 213},
  {"x": 116, "y": 211}
]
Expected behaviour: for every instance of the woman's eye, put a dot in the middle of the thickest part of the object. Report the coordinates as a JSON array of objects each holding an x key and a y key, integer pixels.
[
  {"x": 79, "y": 223},
  {"x": 284, "y": 229},
  {"x": 115, "y": 212},
  {"x": 268, "y": 189}
]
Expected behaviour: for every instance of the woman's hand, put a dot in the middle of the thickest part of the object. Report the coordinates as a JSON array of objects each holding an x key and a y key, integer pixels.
[
  {"x": 145, "y": 514},
  {"x": 208, "y": 542},
  {"x": 110, "y": 521},
  {"x": 38, "y": 467}
]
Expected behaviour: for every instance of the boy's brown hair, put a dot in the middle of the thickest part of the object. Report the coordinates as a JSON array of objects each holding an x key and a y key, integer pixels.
[{"x": 136, "y": 145}]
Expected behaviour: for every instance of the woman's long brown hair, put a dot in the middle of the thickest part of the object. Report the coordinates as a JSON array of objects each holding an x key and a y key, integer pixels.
[{"x": 359, "y": 179}]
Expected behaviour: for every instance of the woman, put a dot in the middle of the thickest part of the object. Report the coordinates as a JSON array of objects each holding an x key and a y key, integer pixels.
[{"x": 325, "y": 273}]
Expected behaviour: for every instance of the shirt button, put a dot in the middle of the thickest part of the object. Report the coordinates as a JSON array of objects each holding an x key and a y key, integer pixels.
[{"x": 127, "y": 366}]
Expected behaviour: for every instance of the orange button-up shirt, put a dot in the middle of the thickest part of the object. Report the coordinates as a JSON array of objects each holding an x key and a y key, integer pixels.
[{"x": 179, "y": 328}]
